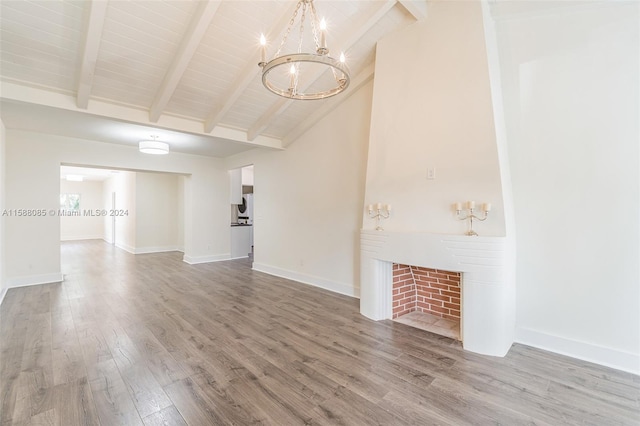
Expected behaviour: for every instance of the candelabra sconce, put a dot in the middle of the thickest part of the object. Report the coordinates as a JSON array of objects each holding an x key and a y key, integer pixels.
[
  {"x": 469, "y": 214},
  {"x": 379, "y": 211}
]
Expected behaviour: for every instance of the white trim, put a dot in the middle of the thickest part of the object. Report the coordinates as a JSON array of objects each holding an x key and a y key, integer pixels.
[
  {"x": 609, "y": 357},
  {"x": 324, "y": 283},
  {"x": 237, "y": 257},
  {"x": 194, "y": 260},
  {"x": 126, "y": 247},
  {"x": 418, "y": 9},
  {"x": 41, "y": 96},
  {"x": 145, "y": 250},
  {"x": 34, "y": 280},
  {"x": 98, "y": 237}
]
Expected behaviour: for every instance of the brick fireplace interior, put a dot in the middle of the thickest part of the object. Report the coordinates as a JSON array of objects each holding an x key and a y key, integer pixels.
[{"x": 427, "y": 298}]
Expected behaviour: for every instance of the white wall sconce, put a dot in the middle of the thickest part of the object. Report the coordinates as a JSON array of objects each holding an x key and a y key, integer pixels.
[
  {"x": 153, "y": 146},
  {"x": 379, "y": 211},
  {"x": 468, "y": 214}
]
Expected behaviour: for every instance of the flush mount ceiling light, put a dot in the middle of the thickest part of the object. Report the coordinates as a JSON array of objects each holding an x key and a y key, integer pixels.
[
  {"x": 153, "y": 146},
  {"x": 288, "y": 74}
]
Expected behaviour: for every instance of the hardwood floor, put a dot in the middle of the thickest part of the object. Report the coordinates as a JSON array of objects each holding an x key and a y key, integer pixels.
[{"x": 150, "y": 340}]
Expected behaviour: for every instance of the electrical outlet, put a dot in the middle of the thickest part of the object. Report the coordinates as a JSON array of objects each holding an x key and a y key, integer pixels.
[{"x": 431, "y": 173}]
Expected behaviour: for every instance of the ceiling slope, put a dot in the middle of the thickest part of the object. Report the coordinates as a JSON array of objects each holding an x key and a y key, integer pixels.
[{"x": 178, "y": 67}]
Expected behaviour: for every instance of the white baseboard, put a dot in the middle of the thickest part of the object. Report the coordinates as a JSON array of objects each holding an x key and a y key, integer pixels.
[
  {"x": 97, "y": 237},
  {"x": 194, "y": 260},
  {"x": 2, "y": 294},
  {"x": 237, "y": 257},
  {"x": 33, "y": 280},
  {"x": 126, "y": 247},
  {"x": 609, "y": 357},
  {"x": 324, "y": 283},
  {"x": 145, "y": 250}
]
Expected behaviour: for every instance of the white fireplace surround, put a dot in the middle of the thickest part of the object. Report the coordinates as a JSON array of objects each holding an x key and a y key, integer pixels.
[{"x": 487, "y": 281}]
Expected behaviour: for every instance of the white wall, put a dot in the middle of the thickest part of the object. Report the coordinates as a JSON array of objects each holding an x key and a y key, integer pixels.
[
  {"x": 308, "y": 199},
  {"x": 181, "y": 212},
  {"x": 3, "y": 288},
  {"x": 432, "y": 108},
  {"x": 108, "y": 188},
  {"x": 33, "y": 175},
  {"x": 85, "y": 226},
  {"x": 126, "y": 193},
  {"x": 570, "y": 82},
  {"x": 157, "y": 224},
  {"x": 123, "y": 184},
  {"x": 32, "y": 243}
]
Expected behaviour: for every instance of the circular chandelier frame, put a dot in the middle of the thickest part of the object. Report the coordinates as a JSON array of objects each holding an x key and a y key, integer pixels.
[{"x": 294, "y": 60}]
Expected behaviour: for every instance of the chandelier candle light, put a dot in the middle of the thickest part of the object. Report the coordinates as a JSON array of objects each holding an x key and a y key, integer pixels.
[
  {"x": 379, "y": 211},
  {"x": 304, "y": 67},
  {"x": 468, "y": 214}
]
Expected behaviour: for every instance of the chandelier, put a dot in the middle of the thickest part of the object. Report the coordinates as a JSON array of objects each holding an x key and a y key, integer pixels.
[{"x": 302, "y": 75}]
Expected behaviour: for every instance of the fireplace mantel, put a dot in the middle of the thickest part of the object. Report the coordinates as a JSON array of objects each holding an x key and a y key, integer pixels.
[{"x": 488, "y": 299}]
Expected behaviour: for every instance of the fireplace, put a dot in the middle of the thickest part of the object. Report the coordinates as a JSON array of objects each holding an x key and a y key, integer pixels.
[
  {"x": 484, "y": 264},
  {"x": 427, "y": 298}
]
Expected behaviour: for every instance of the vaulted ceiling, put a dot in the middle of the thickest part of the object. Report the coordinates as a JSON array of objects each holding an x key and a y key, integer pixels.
[{"x": 117, "y": 71}]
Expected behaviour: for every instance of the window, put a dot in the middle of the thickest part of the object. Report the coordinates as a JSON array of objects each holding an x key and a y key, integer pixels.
[{"x": 70, "y": 202}]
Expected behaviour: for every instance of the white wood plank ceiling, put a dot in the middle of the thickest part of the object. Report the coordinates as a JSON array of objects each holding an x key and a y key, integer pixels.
[{"x": 185, "y": 66}]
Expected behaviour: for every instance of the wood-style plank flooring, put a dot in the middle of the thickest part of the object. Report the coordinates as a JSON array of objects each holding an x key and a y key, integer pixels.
[{"x": 150, "y": 340}]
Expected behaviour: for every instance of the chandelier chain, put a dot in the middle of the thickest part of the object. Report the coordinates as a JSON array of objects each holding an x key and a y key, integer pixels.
[
  {"x": 304, "y": 14},
  {"x": 292, "y": 21},
  {"x": 314, "y": 21}
]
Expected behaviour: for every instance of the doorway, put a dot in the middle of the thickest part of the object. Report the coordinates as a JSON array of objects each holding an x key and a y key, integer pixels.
[
  {"x": 242, "y": 212},
  {"x": 138, "y": 211}
]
